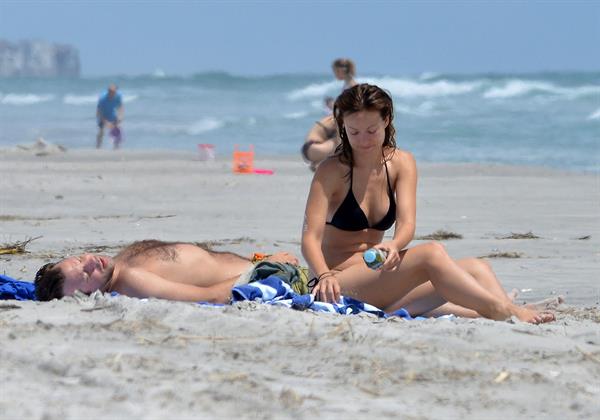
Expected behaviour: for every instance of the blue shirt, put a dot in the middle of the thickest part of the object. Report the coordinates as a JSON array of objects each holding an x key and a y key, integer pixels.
[{"x": 108, "y": 106}]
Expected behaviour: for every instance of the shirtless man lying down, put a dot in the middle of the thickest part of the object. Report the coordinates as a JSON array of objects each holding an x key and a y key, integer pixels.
[{"x": 151, "y": 268}]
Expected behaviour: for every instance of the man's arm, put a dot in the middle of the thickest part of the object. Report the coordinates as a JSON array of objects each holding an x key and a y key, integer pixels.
[{"x": 135, "y": 282}]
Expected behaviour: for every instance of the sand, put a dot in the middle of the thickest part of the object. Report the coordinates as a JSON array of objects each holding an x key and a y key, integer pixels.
[{"x": 107, "y": 357}]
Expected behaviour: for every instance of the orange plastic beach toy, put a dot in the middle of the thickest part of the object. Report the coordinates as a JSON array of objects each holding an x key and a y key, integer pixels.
[{"x": 243, "y": 161}]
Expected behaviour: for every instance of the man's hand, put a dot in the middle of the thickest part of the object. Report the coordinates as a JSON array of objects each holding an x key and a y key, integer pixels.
[{"x": 283, "y": 257}]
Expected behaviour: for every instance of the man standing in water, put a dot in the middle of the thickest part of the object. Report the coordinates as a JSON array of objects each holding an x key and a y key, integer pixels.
[{"x": 109, "y": 113}]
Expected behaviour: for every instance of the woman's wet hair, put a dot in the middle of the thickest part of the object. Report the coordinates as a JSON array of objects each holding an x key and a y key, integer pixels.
[
  {"x": 363, "y": 97},
  {"x": 49, "y": 281},
  {"x": 346, "y": 64}
]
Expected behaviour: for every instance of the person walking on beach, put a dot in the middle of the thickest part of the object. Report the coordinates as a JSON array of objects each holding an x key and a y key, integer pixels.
[
  {"x": 344, "y": 69},
  {"x": 363, "y": 190},
  {"x": 109, "y": 114},
  {"x": 151, "y": 268}
]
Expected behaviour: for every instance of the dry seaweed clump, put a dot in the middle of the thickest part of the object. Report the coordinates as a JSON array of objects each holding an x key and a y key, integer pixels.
[
  {"x": 439, "y": 235},
  {"x": 503, "y": 255},
  {"x": 17, "y": 247},
  {"x": 528, "y": 235}
]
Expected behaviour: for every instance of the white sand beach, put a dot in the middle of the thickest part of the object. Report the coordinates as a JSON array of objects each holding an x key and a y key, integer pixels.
[{"x": 116, "y": 357}]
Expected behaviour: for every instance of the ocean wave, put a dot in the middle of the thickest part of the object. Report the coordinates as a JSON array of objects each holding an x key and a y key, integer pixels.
[
  {"x": 594, "y": 115},
  {"x": 24, "y": 99},
  {"x": 158, "y": 74},
  {"x": 404, "y": 88},
  {"x": 203, "y": 125},
  {"x": 424, "y": 109},
  {"x": 194, "y": 128},
  {"x": 517, "y": 87},
  {"x": 428, "y": 75},
  {"x": 315, "y": 90},
  {"x": 295, "y": 115},
  {"x": 130, "y": 98},
  {"x": 71, "y": 99}
]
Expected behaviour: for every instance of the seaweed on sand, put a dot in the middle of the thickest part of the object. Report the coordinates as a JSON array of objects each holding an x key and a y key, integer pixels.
[
  {"x": 439, "y": 235},
  {"x": 527, "y": 235},
  {"x": 503, "y": 255},
  {"x": 17, "y": 247}
]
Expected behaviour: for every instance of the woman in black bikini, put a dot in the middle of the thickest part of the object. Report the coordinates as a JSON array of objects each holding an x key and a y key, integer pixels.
[{"x": 359, "y": 193}]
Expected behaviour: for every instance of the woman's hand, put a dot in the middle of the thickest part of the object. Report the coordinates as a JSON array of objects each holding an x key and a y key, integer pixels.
[
  {"x": 393, "y": 255},
  {"x": 328, "y": 289}
]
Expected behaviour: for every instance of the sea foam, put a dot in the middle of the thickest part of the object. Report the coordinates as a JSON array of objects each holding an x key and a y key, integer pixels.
[
  {"x": 406, "y": 88},
  {"x": 517, "y": 87},
  {"x": 594, "y": 115},
  {"x": 24, "y": 99},
  {"x": 71, "y": 99},
  {"x": 315, "y": 90}
]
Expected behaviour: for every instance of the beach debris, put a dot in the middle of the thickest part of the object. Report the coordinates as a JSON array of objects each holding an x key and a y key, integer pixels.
[
  {"x": 439, "y": 235},
  {"x": 588, "y": 356},
  {"x": 8, "y": 306},
  {"x": 584, "y": 238},
  {"x": 17, "y": 247},
  {"x": 502, "y": 376},
  {"x": 290, "y": 398},
  {"x": 503, "y": 255},
  {"x": 158, "y": 216},
  {"x": 41, "y": 147},
  {"x": 527, "y": 235},
  {"x": 230, "y": 377}
]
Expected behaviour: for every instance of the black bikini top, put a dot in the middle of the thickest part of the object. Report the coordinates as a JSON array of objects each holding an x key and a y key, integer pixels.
[{"x": 349, "y": 216}]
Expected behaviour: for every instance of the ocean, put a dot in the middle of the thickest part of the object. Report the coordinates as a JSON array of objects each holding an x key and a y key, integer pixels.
[{"x": 544, "y": 119}]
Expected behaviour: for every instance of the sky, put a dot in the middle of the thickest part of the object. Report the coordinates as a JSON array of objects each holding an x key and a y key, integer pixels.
[{"x": 279, "y": 37}]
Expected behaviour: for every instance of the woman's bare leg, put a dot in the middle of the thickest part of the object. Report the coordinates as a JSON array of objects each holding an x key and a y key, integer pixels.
[
  {"x": 418, "y": 265},
  {"x": 425, "y": 300}
]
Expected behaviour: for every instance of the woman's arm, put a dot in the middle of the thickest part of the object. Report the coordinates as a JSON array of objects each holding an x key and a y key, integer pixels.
[
  {"x": 406, "y": 206},
  {"x": 406, "y": 200},
  {"x": 315, "y": 216}
]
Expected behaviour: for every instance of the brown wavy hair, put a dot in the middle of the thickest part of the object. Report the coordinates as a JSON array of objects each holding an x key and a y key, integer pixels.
[{"x": 363, "y": 97}]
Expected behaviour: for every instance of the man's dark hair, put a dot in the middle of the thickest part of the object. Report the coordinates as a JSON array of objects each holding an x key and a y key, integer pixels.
[{"x": 49, "y": 282}]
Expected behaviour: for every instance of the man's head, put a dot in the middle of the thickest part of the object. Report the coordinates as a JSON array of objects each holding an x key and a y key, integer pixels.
[
  {"x": 112, "y": 90},
  {"x": 86, "y": 273}
]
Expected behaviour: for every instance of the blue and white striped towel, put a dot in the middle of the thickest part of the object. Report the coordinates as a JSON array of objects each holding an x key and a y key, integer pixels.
[{"x": 273, "y": 291}]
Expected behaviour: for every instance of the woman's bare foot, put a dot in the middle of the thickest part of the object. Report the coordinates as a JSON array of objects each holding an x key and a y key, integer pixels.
[{"x": 530, "y": 315}]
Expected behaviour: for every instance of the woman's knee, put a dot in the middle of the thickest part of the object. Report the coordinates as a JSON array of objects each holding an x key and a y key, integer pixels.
[
  {"x": 478, "y": 264},
  {"x": 434, "y": 253}
]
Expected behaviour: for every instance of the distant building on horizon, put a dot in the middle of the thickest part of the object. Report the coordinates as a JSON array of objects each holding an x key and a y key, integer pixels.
[{"x": 38, "y": 59}]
